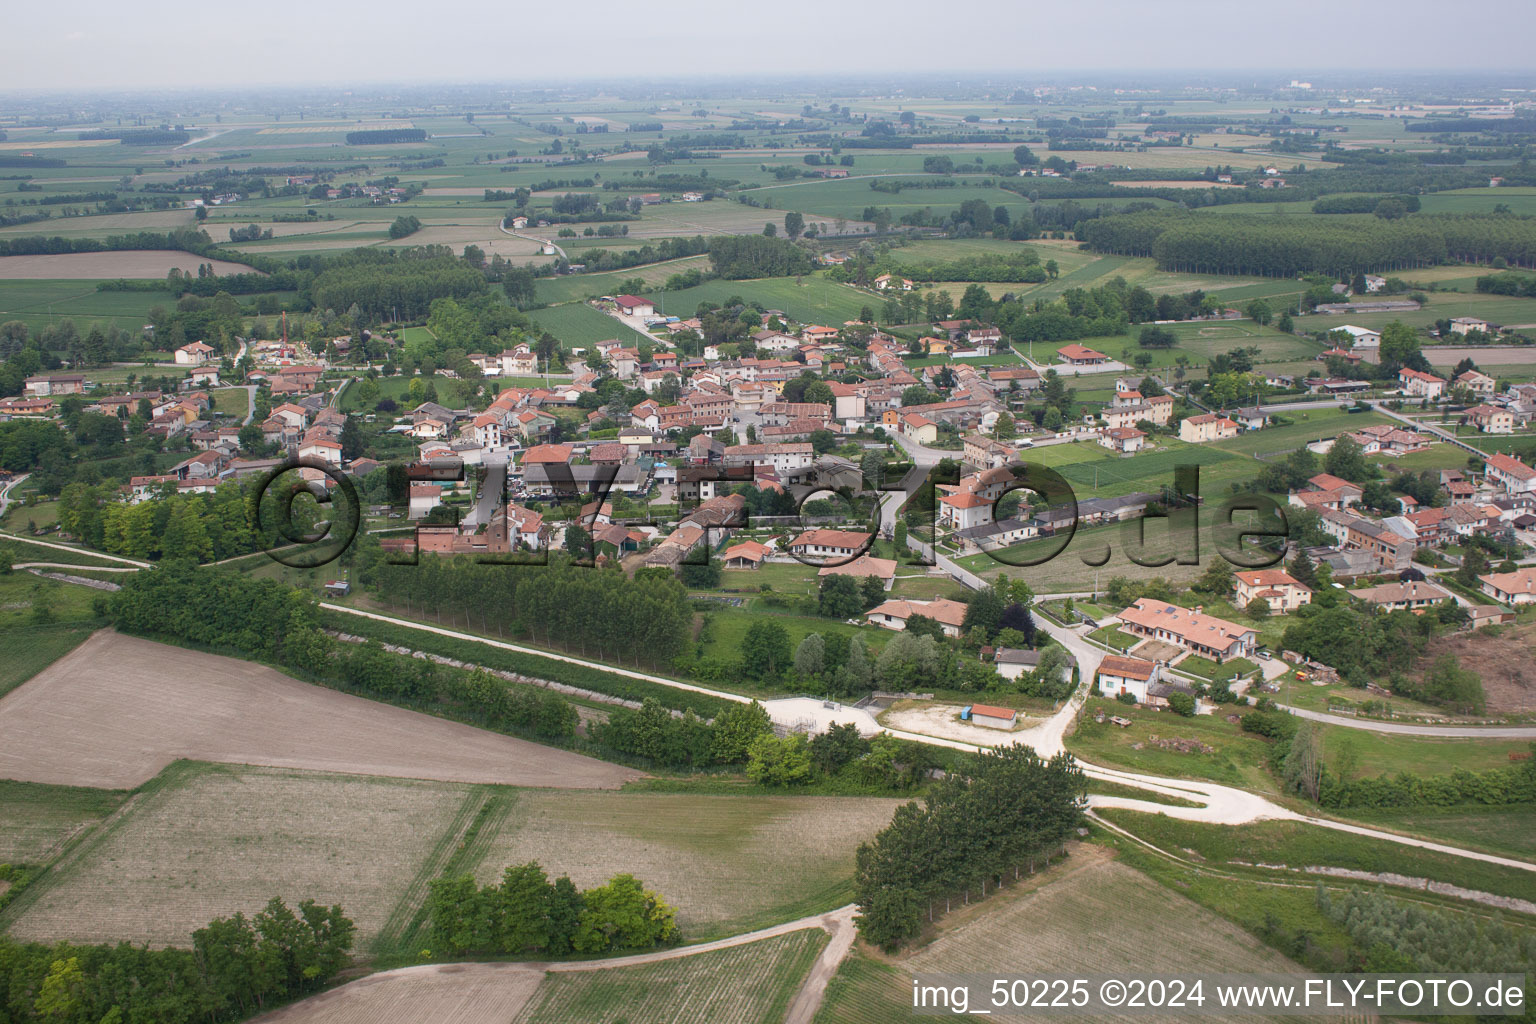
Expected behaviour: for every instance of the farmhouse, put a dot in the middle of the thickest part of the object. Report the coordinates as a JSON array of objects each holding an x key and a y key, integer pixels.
[
  {"x": 1196, "y": 632},
  {"x": 1477, "y": 382},
  {"x": 1468, "y": 324},
  {"x": 894, "y": 614},
  {"x": 886, "y": 282},
  {"x": 1013, "y": 662}
]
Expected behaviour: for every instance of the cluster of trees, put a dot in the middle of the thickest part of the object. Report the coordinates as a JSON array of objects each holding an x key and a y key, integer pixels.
[
  {"x": 526, "y": 913},
  {"x": 601, "y": 612},
  {"x": 1401, "y": 937},
  {"x": 1283, "y": 247},
  {"x": 1004, "y": 810},
  {"x": 1022, "y": 268},
  {"x": 1365, "y": 644},
  {"x": 405, "y": 224},
  {"x": 736, "y": 257},
  {"x": 199, "y": 527},
  {"x": 1507, "y": 283},
  {"x": 401, "y": 288},
  {"x": 236, "y": 966}
]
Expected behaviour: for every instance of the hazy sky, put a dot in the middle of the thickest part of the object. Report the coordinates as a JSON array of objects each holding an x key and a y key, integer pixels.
[{"x": 96, "y": 45}]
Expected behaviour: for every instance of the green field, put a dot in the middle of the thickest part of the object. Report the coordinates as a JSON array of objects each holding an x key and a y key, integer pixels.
[
  {"x": 1297, "y": 845},
  {"x": 578, "y": 325},
  {"x": 43, "y": 302},
  {"x": 27, "y": 650},
  {"x": 750, "y": 984}
]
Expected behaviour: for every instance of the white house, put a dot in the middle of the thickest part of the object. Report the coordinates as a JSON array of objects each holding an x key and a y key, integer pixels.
[
  {"x": 195, "y": 353},
  {"x": 1119, "y": 675}
]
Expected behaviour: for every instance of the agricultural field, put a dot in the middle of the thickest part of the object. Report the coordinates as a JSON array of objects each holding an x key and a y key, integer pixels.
[
  {"x": 118, "y": 709},
  {"x": 208, "y": 841},
  {"x": 727, "y": 863},
  {"x": 1055, "y": 923},
  {"x": 750, "y": 984},
  {"x": 109, "y": 265},
  {"x": 579, "y": 325},
  {"x": 36, "y": 821}
]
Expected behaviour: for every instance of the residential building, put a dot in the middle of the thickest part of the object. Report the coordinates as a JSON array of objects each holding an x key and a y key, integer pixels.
[
  {"x": 950, "y": 615},
  {"x": 1196, "y": 632},
  {"x": 1510, "y": 474},
  {"x": 1081, "y": 355},
  {"x": 1518, "y": 587},
  {"x": 195, "y": 353},
  {"x": 1119, "y": 675},
  {"x": 634, "y": 305},
  {"x": 1206, "y": 427},
  {"x": 1124, "y": 440},
  {"x": 1420, "y": 384},
  {"x": 1468, "y": 324},
  {"x": 1276, "y": 587},
  {"x": 1413, "y": 595},
  {"x": 829, "y": 543},
  {"x": 1490, "y": 419}
]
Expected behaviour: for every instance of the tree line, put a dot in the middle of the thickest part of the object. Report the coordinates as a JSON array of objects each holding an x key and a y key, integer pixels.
[
  {"x": 736, "y": 257},
  {"x": 235, "y": 968},
  {"x": 526, "y": 913},
  {"x": 1005, "y": 811},
  {"x": 1286, "y": 246}
]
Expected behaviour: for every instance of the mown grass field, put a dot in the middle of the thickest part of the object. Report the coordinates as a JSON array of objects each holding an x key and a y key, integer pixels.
[
  {"x": 1054, "y": 924},
  {"x": 1237, "y": 757},
  {"x": 727, "y": 863},
  {"x": 1508, "y": 830},
  {"x": 750, "y": 984},
  {"x": 576, "y": 287}
]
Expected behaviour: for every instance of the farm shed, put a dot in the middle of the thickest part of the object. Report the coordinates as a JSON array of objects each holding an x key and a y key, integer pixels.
[{"x": 991, "y": 716}]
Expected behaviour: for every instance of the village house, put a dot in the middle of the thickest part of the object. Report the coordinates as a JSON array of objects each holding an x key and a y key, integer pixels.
[
  {"x": 1420, "y": 384},
  {"x": 1510, "y": 474},
  {"x": 829, "y": 544},
  {"x": 886, "y": 282},
  {"x": 950, "y": 615},
  {"x": 1194, "y": 631},
  {"x": 748, "y": 554},
  {"x": 1123, "y": 440},
  {"x": 864, "y": 567},
  {"x": 1119, "y": 675},
  {"x": 1413, "y": 596},
  {"x": 919, "y": 428},
  {"x": 47, "y": 385},
  {"x": 1206, "y": 427},
  {"x": 195, "y": 353},
  {"x": 1477, "y": 382},
  {"x": 1468, "y": 324},
  {"x": 1276, "y": 587},
  {"x": 1081, "y": 355},
  {"x": 1490, "y": 419},
  {"x": 1512, "y": 588}
]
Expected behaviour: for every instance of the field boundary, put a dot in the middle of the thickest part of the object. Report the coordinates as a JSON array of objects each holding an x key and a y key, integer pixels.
[{"x": 402, "y": 919}]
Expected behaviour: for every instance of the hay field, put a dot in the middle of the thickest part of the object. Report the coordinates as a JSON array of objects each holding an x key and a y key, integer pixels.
[
  {"x": 211, "y": 840},
  {"x": 727, "y": 863},
  {"x": 1096, "y": 916},
  {"x": 106, "y": 266},
  {"x": 116, "y": 710}
]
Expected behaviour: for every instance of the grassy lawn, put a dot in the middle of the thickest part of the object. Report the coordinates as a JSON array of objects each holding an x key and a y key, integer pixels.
[
  {"x": 1307, "y": 425},
  {"x": 1508, "y": 830},
  {"x": 450, "y": 392},
  {"x": 728, "y": 628},
  {"x": 1378, "y": 753},
  {"x": 1236, "y": 757},
  {"x": 1207, "y": 669},
  {"x": 1115, "y": 637},
  {"x": 230, "y": 401}
]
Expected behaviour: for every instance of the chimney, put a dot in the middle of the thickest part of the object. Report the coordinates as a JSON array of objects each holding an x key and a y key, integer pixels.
[{"x": 1199, "y": 609}]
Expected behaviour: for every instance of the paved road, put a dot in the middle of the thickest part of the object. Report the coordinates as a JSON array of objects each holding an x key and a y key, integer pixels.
[
  {"x": 1445, "y": 731},
  {"x": 5, "y": 493},
  {"x": 83, "y": 551}
]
